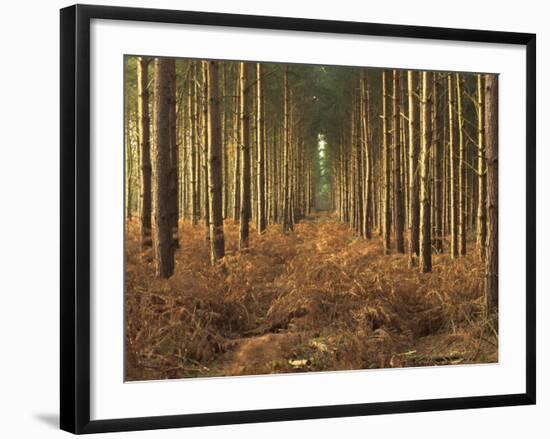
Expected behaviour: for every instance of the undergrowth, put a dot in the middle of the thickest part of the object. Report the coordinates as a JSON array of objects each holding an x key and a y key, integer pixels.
[{"x": 312, "y": 300}]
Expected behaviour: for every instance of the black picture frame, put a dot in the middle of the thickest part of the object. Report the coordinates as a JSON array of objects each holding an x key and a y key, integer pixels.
[{"x": 75, "y": 217}]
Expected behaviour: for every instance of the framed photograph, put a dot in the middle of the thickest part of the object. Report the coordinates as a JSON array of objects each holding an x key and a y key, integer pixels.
[{"x": 268, "y": 218}]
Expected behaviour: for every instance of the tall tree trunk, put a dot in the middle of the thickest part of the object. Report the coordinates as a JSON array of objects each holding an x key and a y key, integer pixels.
[
  {"x": 425, "y": 131},
  {"x": 145, "y": 146},
  {"x": 129, "y": 171},
  {"x": 193, "y": 171},
  {"x": 437, "y": 146},
  {"x": 237, "y": 153},
  {"x": 354, "y": 165},
  {"x": 386, "y": 220},
  {"x": 491, "y": 142},
  {"x": 397, "y": 184},
  {"x": 225, "y": 122},
  {"x": 260, "y": 140},
  {"x": 461, "y": 171},
  {"x": 245, "y": 156},
  {"x": 481, "y": 177},
  {"x": 414, "y": 209},
  {"x": 174, "y": 154},
  {"x": 215, "y": 172},
  {"x": 206, "y": 179},
  {"x": 367, "y": 226},
  {"x": 163, "y": 247},
  {"x": 287, "y": 221},
  {"x": 452, "y": 170}
]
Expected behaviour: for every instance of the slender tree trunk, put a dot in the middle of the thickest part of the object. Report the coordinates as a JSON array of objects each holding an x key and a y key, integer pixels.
[
  {"x": 452, "y": 170},
  {"x": 224, "y": 121},
  {"x": 397, "y": 184},
  {"x": 445, "y": 183},
  {"x": 425, "y": 130},
  {"x": 274, "y": 176},
  {"x": 461, "y": 171},
  {"x": 491, "y": 127},
  {"x": 481, "y": 177},
  {"x": 260, "y": 192},
  {"x": 163, "y": 247},
  {"x": 355, "y": 171},
  {"x": 174, "y": 155},
  {"x": 386, "y": 220},
  {"x": 128, "y": 160},
  {"x": 245, "y": 157},
  {"x": 414, "y": 213},
  {"x": 237, "y": 154},
  {"x": 145, "y": 145},
  {"x": 287, "y": 222},
  {"x": 367, "y": 226},
  {"x": 438, "y": 178},
  {"x": 206, "y": 179},
  {"x": 193, "y": 171},
  {"x": 215, "y": 172}
]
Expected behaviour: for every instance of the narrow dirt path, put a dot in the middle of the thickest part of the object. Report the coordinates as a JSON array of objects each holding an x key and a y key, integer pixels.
[{"x": 270, "y": 347}]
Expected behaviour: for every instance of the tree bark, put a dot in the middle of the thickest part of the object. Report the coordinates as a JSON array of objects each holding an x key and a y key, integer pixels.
[
  {"x": 491, "y": 127},
  {"x": 217, "y": 244},
  {"x": 163, "y": 247},
  {"x": 367, "y": 210},
  {"x": 386, "y": 220},
  {"x": 425, "y": 130},
  {"x": 206, "y": 178},
  {"x": 260, "y": 140},
  {"x": 452, "y": 170},
  {"x": 245, "y": 157},
  {"x": 397, "y": 184},
  {"x": 481, "y": 177},
  {"x": 437, "y": 152},
  {"x": 461, "y": 171},
  {"x": 193, "y": 171},
  {"x": 414, "y": 208},
  {"x": 287, "y": 221},
  {"x": 174, "y": 155},
  {"x": 145, "y": 146},
  {"x": 237, "y": 153}
]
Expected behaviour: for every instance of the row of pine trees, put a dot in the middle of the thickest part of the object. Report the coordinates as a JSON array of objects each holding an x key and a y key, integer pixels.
[
  {"x": 417, "y": 162},
  {"x": 204, "y": 144}
]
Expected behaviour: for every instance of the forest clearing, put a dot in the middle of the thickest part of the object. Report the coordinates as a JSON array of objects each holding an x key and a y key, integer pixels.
[{"x": 295, "y": 218}]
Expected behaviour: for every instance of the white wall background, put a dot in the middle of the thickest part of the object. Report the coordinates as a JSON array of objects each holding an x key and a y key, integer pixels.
[{"x": 29, "y": 200}]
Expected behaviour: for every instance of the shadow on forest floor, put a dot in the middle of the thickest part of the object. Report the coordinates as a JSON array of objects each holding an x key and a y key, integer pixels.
[{"x": 312, "y": 300}]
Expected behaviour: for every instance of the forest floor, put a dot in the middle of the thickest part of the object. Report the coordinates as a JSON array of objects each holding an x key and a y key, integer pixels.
[{"x": 312, "y": 300}]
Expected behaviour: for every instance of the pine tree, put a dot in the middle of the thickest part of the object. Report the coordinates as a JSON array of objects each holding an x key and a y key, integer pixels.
[
  {"x": 452, "y": 168},
  {"x": 386, "y": 216},
  {"x": 163, "y": 247},
  {"x": 145, "y": 146},
  {"x": 425, "y": 207},
  {"x": 287, "y": 218},
  {"x": 437, "y": 154},
  {"x": 491, "y": 142},
  {"x": 397, "y": 168},
  {"x": 414, "y": 208},
  {"x": 245, "y": 156},
  {"x": 260, "y": 140},
  {"x": 217, "y": 243},
  {"x": 461, "y": 171},
  {"x": 481, "y": 177}
]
